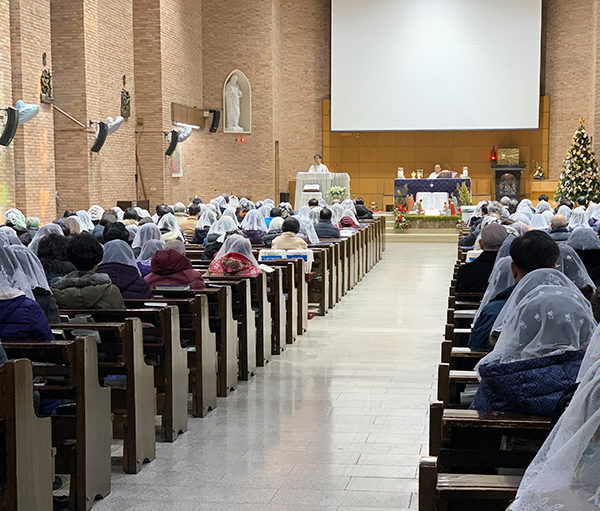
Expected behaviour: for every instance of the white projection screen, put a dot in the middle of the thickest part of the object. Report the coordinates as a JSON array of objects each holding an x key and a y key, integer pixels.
[{"x": 435, "y": 64}]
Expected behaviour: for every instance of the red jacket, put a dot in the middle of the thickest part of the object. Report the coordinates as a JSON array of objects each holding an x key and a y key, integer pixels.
[{"x": 169, "y": 267}]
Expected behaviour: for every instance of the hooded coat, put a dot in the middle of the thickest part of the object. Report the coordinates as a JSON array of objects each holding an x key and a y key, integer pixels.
[
  {"x": 83, "y": 290},
  {"x": 22, "y": 319},
  {"x": 127, "y": 279},
  {"x": 171, "y": 268}
]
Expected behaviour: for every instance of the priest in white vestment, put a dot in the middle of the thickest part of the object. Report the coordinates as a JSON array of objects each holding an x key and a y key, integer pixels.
[
  {"x": 437, "y": 170},
  {"x": 318, "y": 166}
]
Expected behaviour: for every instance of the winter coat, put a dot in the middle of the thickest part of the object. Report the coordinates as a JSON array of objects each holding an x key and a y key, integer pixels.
[
  {"x": 170, "y": 268},
  {"x": 531, "y": 386},
  {"x": 55, "y": 268},
  {"x": 561, "y": 234},
  {"x": 83, "y": 290},
  {"x": 212, "y": 247},
  {"x": 22, "y": 319},
  {"x": 144, "y": 269},
  {"x": 363, "y": 213},
  {"x": 48, "y": 304},
  {"x": 270, "y": 236},
  {"x": 98, "y": 233},
  {"x": 473, "y": 277},
  {"x": 127, "y": 279},
  {"x": 482, "y": 329},
  {"x": 325, "y": 229},
  {"x": 255, "y": 237},
  {"x": 199, "y": 236},
  {"x": 188, "y": 226},
  {"x": 289, "y": 241}
]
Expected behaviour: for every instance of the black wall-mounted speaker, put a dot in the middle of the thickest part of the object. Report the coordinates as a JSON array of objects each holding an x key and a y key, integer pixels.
[
  {"x": 214, "y": 125},
  {"x": 11, "y": 123},
  {"x": 101, "y": 134},
  {"x": 173, "y": 143},
  {"x": 284, "y": 197}
]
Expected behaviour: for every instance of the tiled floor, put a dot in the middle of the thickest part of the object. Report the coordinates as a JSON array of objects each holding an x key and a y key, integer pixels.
[{"x": 337, "y": 422}]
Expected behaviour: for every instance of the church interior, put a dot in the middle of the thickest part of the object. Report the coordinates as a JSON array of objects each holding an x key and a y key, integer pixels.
[{"x": 311, "y": 255}]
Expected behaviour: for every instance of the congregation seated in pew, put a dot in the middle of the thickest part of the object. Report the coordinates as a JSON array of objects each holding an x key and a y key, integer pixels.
[
  {"x": 254, "y": 227},
  {"x": 289, "y": 239},
  {"x": 473, "y": 276},
  {"x": 325, "y": 228},
  {"x": 170, "y": 267},
  {"x": 529, "y": 252},
  {"x": 235, "y": 258},
  {"x": 275, "y": 229}
]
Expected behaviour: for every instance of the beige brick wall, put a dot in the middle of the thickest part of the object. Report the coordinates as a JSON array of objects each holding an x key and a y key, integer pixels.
[
  {"x": 182, "y": 51},
  {"x": 34, "y": 141},
  {"x": 7, "y": 171}
]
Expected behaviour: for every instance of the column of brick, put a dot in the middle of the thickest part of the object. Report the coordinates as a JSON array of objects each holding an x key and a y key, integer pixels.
[{"x": 7, "y": 170}]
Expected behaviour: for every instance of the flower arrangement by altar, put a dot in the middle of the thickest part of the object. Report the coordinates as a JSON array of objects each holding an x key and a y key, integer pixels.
[
  {"x": 400, "y": 221},
  {"x": 337, "y": 192},
  {"x": 539, "y": 172}
]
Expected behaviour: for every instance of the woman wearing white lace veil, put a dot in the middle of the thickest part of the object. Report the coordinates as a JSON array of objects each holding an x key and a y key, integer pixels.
[
  {"x": 265, "y": 210},
  {"x": 539, "y": 223},
  {"x": 147, "y": 232},
  {"x": 222, "y": 226},
  {"x": 349, "y": 220},
  {"x": 169, "y": 228},
  {"x": 43, "y": 232},
  {"x": 38, "y": 283},
  {"x": 577, "y": 220},
  {"x": 521, "y": 217},
  {"x": 304, "y": 211},
  {"x": 336, "y": 214},
  {"x": 545, "y": 315},
  {"x": 564, "y": 475},
  {"x": 230, "y": 212},
  {"x": 314, "y": 214},
  {"x": 254, "y": 227},
  {"x": 565, "y": 211},
  {"x": 307, "y": 229},
  {"x": 539, "y": 352},
  {"x": 348, "y": 204},
  {"x": 540, "y": 277},
  {"x": 572, "y": 266},
  {"x": 543, "y": 206},
  {"x": 12, "y": 274},
  {"x": 85, "y": 221},
  {"x": 145, "y": 258},
  {"x": 9, "y": 237}
]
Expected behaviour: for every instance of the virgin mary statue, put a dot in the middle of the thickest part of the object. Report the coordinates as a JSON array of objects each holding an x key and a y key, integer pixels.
[{"x": 232, "y": 105}]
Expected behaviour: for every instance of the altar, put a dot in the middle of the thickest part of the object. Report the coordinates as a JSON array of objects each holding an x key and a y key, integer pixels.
[
  {"x": 433, "y": 192},
  {"x": 324, "y": 181}
]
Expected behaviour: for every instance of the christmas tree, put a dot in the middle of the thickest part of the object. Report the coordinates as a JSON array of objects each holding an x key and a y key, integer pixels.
[{"x": 579, "y": 176}]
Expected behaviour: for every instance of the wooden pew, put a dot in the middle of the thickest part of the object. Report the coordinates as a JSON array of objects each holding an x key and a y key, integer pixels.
[
  {"x": 26, "y": 442},
  {"x": 451, "y": 382},
  {"x": 224, "y": 326},
  {"x": 201, "y": 345},
  {"x": 133, "y": 407},
  {"x": 246, "y": 322},
  {"x": 465, "y": 492},
  {"x": 472, "y": 439},
  {"x": 162, "y": 344},
  {"x": 73, "y": 375}
]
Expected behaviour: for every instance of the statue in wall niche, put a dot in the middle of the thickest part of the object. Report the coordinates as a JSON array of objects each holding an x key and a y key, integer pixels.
[
  {"x": 232, "y": 105},
  {"x": 46, "y": 84},
  {"x": 125, "y": 101}
]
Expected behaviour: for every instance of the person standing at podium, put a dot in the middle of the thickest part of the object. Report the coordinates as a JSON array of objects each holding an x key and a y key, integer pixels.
[
  {"x": 318, "y": 166},
  {"x": 437, "y": 170}
]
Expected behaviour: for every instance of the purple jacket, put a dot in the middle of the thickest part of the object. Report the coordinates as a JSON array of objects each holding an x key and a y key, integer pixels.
[
  {"x": 127, "y": 279},
  {"x": 22, "y": 319}
]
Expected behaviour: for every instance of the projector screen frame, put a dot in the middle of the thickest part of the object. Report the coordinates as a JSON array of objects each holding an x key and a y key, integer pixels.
[{"x": 535, "y": 120}]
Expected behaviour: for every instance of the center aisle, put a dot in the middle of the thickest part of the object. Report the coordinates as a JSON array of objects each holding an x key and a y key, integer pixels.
[{"x": 337, "y": 422}]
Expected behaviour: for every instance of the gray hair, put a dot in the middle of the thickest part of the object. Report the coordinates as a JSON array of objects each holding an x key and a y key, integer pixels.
[
  {"x": 493, "y": 235},
  {"x": 558, "y": 221},
  {"x": 179, "y": 207},
  {"x": 495, "y": 208}
]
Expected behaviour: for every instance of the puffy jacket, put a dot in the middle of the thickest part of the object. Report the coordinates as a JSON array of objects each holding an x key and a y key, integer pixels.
[
  {"x": 473, "y": 277},
  {"x": 127, "y": 279},
  {"x": 255, "y": 237},
  {"x": 561, "y": 234},
  {"x": 22, "y": 319},
  {"x": 482, "y": 329},
  {"x": 169, "y": 267},
  {"x": 48, "y": 304},
  {"x": 363, "y": 213},
  {"x": 325, "y": 229},
  {"x": 83, "y": 290},
  {"x": 270, "y": 236},
  {"x": 56, "y": 268},
  {"x": 199, "y": 236},
  {"x": 531, "y": 386}
]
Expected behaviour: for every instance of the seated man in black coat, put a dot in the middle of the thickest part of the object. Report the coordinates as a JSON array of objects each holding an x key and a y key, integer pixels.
[
  {"x": 362, "y": 212},
  {"x": 325, "y": 229},
  {"x": 473, "y": 277}
]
